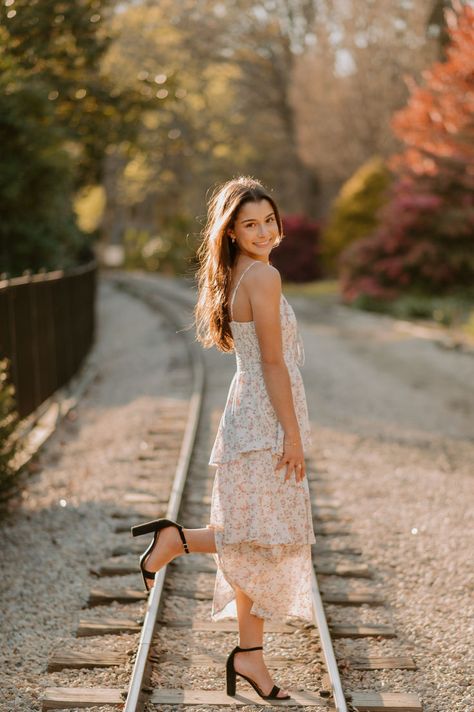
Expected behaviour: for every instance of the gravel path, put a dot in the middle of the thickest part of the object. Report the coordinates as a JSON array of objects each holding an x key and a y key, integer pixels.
[{"x": 394, "y": 420}]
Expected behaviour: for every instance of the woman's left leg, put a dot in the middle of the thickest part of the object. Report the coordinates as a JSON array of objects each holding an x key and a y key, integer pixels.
[{"x": 251, "y": 662}]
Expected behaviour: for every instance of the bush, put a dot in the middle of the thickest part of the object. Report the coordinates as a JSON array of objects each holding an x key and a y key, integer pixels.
[
  {"x": 8, "y": 422},
  {"x": 455, "y": 309},
  {"x": 297, "y": 256},
  {"x": 353, "y": 214},
  {"x": 424, "y": 245}
]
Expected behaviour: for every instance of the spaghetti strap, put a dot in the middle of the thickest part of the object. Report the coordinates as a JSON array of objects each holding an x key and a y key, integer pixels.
[{"x": 237, "y": 286}]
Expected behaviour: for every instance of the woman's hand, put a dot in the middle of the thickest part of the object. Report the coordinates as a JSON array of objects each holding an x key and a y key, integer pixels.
[{"x": 293, "y": 457}]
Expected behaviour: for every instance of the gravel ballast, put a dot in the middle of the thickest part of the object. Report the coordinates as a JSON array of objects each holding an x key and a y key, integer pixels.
[
  {"x": 393, "y": 418},
  {"x": 393, "y": 429}
]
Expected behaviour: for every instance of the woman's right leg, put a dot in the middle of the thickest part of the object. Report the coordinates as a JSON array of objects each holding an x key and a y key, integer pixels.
[{"x": 169, "y": 546}]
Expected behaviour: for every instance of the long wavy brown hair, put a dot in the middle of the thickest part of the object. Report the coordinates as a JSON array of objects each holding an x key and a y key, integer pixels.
[{"x": 216, "y": 256}]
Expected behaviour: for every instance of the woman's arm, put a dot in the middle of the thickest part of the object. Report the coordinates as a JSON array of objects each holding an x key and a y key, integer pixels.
[{"x": 264, "y": 292}]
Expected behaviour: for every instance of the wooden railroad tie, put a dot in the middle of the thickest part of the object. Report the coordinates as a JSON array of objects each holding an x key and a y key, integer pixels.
[
  {"x": 75, "y": 659},
  {"x": 329, "y": 529},
  {"x": 402, "y": 662},
  {"x": 101, "y": 596},
  {"x": 107, "y": 626},
  {"x": 218, "y": 660},
  {"x": 363, "y": 630},
  {"x": 352, "y": 598},
  {"x": 226, "y": 626},
  {"x": 344, "y": 568},
  {"x": 64, "y": 698}
]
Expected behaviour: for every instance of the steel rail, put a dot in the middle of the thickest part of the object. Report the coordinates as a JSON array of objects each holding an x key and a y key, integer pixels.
[
  {"x": 135, "y": 695},
  {"x": 326, "y": 644}
]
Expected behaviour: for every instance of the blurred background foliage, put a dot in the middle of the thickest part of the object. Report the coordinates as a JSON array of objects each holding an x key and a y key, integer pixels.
[
  {"x": 353, "y": 213},
  {"x": 423, "y": 243},
  {"x": 117, "y": 118},
  {"x": 9, "y": 446},
  {"x": 297, "y": 255}
]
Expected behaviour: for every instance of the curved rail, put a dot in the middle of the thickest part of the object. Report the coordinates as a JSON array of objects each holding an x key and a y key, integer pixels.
[{"x": 134, "y": 700}]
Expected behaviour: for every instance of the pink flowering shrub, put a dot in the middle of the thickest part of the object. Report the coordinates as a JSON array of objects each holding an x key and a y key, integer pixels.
[{"x": 297, "y": 256}]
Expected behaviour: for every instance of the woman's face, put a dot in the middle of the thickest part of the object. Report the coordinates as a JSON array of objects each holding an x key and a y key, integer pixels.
[{"x": 255, "y": 229}]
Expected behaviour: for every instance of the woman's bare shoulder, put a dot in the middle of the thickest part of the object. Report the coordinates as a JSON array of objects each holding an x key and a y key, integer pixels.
[
  {"x": 264, "y": 290},
  {"x": 265, "y": 275}
]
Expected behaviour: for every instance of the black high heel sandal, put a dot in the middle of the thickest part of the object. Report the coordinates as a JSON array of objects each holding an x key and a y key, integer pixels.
[
  {"x": 231, "y": 673},
  {"x": 156, "y": 525}
]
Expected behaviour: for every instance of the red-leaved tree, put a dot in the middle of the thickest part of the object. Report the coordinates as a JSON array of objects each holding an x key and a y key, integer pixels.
[{"x": 425, "y": 239}]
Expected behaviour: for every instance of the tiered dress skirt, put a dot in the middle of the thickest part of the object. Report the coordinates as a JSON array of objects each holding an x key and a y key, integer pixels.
[
  {"x": 263, "y": 525},
  {"x": 263, "y": 531}
]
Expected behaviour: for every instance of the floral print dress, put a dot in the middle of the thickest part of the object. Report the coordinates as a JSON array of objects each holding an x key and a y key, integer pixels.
[{"x": 263, "y": 525}]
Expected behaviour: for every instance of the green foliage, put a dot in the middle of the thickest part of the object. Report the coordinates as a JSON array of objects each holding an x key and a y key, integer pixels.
[
  {"x": 58, "y": 115},
  {"x": 8, "y": 423},
  {"x": 353, "y": 213},
  {"x": 89, "y": 206},
  {"x": 38, "y": 225},
  {"x": 170, "y": 251},
  {"x": 454, "y": 309},
  {"x": 61, "y": 46}
]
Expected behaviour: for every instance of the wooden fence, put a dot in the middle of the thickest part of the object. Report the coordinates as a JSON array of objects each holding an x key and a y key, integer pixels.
[{"x": 47, "y": 326}]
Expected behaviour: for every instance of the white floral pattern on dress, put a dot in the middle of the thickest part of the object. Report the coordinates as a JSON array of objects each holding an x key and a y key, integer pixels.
[{"x": 263, "y": 525}]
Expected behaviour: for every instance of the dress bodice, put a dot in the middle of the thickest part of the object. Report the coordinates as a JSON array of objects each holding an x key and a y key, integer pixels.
[{"x": 246, "y": 346}]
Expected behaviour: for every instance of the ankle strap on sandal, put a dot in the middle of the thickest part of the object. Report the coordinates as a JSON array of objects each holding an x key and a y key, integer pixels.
[
  {"x": 183, "y": 538},
  {"x": 258, "y": 647}
]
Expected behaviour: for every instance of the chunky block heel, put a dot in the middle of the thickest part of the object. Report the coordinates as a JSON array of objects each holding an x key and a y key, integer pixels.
[
  {"x": 230, "y": 678},
  {"x": 155, "y": 526},
  {"x": 231, "y": 674}
]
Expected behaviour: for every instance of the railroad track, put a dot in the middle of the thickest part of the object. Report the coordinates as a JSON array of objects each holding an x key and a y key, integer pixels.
[{"x": 176, "y": 482}]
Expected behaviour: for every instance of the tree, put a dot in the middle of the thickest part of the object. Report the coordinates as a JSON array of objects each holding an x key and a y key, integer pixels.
[
  {"x": 61, "y": 45},
  {"x": 349, "y": 81},
  {"x": 222, "y": 71},
  {"x": 262, "y": 41},
  {"x": 425, "y": 242},
  {"x": 38, "y": 226},
  {"x": 60, "y": 114}
]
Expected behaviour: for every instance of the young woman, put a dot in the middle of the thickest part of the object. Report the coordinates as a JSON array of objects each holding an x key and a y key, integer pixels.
[{"x": 261, "y": 526}]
